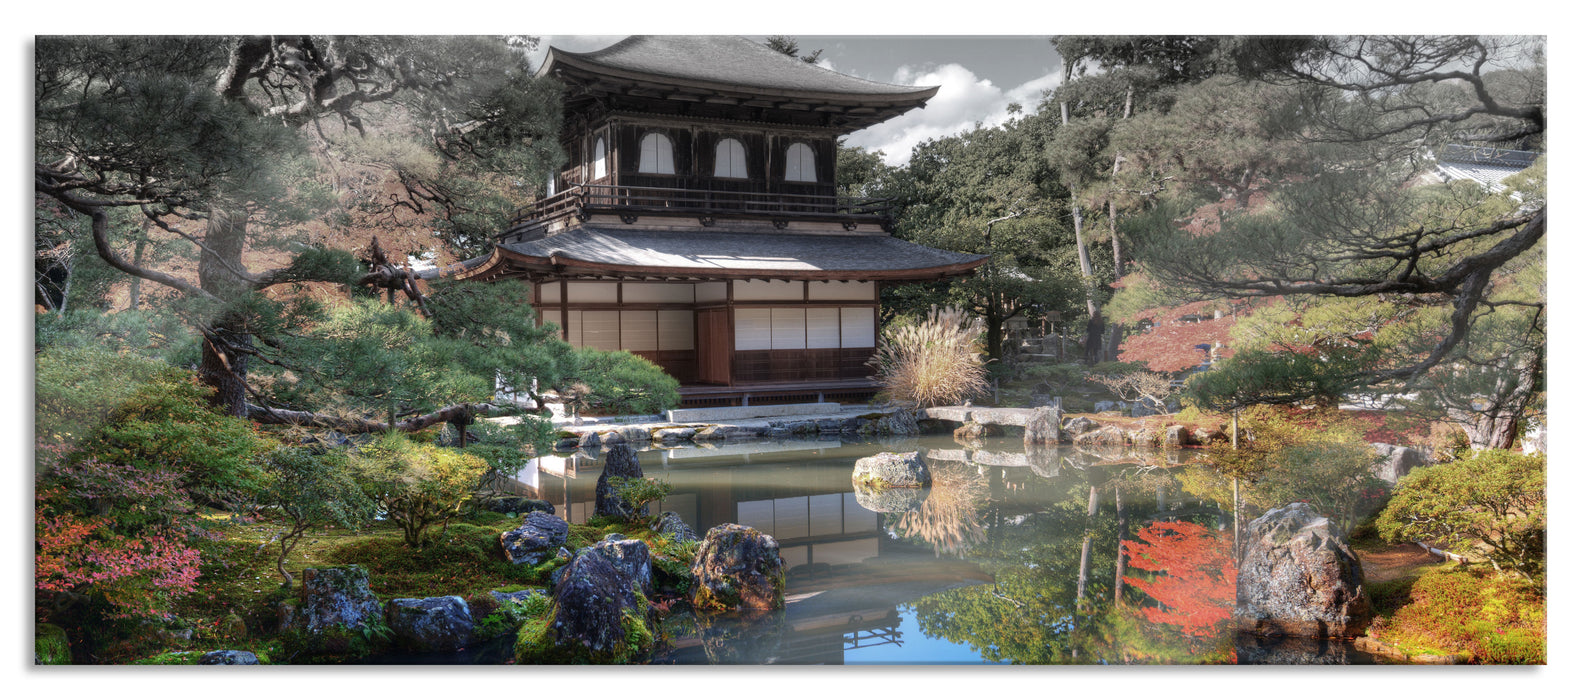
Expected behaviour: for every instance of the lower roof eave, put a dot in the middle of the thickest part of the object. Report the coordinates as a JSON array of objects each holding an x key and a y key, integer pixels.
[{"x": 505, "y": 263}]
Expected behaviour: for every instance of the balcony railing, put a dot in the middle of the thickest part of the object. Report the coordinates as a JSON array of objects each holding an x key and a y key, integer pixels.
[{"x": 586, "y": 200}]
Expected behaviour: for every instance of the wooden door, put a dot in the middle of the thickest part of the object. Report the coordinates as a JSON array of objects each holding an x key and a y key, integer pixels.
[{"x": 714, "y": 346}]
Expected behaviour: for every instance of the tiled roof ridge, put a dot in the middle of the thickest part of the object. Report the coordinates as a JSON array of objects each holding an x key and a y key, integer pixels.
[{"x": 675, "y": 56}]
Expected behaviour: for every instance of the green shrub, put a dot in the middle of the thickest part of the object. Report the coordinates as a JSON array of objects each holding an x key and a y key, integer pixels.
[
  {"x": 636, "y": 493},
  {"x": 618, "y": 382},
  {"x": 311, "y": 489},
  {"x": 167, "y": 423},
  {"x": 75, "y": 389},
  {"x": 416, "y": 484},
  {"x": 1490, "y": 618},
  {"x": 1490, "y": 503},
  {"x": 935, "y": 362}
]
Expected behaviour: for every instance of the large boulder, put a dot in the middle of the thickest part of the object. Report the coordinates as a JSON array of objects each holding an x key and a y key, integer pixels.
[
  {"x": 673, "y": 436},
  {"x": 1043, "y": 427},
  {"x": 1204, "y": 436},
  {"x": 597, "y": 615},
  {"x": 737, "y": 568},
  {"x": 228, "y": 657},
  {"x": 430, "y": 624},
  {"x": 1298, "y": 578},
  {"x": 337, "y": 596},
  {"x": 620, "y": 460},
  {"x": 904, "y": 470},
  {"x": 1398, "y": 461},
  {"x": 536, "y": 540}
]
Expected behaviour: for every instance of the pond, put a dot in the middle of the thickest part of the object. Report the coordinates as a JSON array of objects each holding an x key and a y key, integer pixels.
[{"x": 1009, "y": 558}]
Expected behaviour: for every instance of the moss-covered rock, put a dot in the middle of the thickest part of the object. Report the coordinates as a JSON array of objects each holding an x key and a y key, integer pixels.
[
  {"x": 738, "y": 567},
  {"x": 885, "y": 470},
  {"x": 50, "y": 647},
  {"x": 598, "y": 615}
]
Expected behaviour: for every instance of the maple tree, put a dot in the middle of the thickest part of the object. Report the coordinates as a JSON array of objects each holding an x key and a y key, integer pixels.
[{"x": 1195, "y": 577}]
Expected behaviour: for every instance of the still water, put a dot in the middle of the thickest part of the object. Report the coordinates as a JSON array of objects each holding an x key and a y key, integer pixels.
[{"x": 1009, "y": 558}]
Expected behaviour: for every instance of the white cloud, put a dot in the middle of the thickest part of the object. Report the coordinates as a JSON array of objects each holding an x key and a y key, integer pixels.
[{"x": 963, "y": 101}]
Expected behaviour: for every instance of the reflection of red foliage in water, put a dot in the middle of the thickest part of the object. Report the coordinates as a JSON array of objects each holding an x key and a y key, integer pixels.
[{"x": 1196, "y": 579}]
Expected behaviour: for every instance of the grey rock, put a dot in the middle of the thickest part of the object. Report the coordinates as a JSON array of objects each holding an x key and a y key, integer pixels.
[
  {"x": 589, "y": 441},
  {"x": 674, "y": 436},
  {"x": 337, "y": 596},
  {"x": 1043, "y": 427},
  {"x": 1298, "y": 578},
  {"x": 591, "y": 599},
  {"x": 228, "y": 657},
  {"x": 568, "y": 444},
  {"x": 1398, "y": 461},
  {"x": 430, "y": 624},
  {"x": 670, "y": 523},
  {"x": 629, "y": 555},
  {"x": 611, "y": 437},
  {"x": 1176, "y": 436},
  {"x": 1107, "y": 436},
  {"x": 1204, "y": 436},
  {"x": 516, "y": 596},
  {"x": 1079, "y": 425},
  {"x": 905, "y": 470},
  {"x": 534, "y": 541},
  {"x": 520, "y": 505}
]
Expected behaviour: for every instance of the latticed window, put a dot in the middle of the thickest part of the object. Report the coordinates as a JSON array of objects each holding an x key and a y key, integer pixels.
[
  {"x": 799, "y": 164},
  {"x": 730, "y": 159},
  {"x": 657, "y": 156}
]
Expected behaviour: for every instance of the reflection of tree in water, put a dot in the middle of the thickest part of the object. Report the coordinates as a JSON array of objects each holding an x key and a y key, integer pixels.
[
  {"x": 1193, "y": 576},
  {"x": 1047, "y": 606},
  {"x": 948, "y": 520}
]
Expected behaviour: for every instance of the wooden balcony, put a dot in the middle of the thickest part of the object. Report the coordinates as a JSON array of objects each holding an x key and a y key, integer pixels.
[{"x": 632, "y": 203}]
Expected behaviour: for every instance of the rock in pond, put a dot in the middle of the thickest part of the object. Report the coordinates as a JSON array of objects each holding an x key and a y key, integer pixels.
[
  {"x": 738, "y": 567},
  {"x": 620, "y": 460},
  {"x": 1177, "y": 436},
  {"x": 430, "y": 624},
  {"x": 536, "y": 540},
  {"x": 597, "y": 615},
  {"x": 228, "y": 657},
  {"x": 904, "y": 470},
  {"x": 1043, "y": 427},
  {"x": 1298, "y": 578}
]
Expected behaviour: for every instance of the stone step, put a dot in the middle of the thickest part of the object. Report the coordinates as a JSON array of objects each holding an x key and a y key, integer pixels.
[{"x": 729, "y": 413}]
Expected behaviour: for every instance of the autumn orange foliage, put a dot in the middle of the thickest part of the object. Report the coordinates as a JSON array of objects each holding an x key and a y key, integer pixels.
[{"x": 1195, "y": 577}]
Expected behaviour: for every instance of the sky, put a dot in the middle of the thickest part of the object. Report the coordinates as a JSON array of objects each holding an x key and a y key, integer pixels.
[{"x": 979, "y": 77}]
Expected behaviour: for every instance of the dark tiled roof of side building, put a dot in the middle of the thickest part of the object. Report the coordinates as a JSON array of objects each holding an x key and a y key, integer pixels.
[
  {"x": 727, "y": 60},
  {"x": 724, "y": 251}
]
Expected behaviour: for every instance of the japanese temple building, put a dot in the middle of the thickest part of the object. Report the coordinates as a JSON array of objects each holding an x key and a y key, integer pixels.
[{"x": 697, "y": 222}]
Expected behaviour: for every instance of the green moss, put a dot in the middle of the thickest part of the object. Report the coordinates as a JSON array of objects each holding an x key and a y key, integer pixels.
[
  {"x": 50, "y": 646},
  {"x": 171, "y": 658},
  {"x": 336, "y": 643}
]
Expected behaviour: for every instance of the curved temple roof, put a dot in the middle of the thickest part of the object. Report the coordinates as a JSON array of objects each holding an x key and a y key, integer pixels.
[
  {"x": 725, "y": 67},
  {"x": 591, "y": 250}
]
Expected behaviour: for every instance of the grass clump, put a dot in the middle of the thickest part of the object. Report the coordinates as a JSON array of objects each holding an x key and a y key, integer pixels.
[
  {"x": 934, "y": 362},
  {"x": 467, "y": 560}
]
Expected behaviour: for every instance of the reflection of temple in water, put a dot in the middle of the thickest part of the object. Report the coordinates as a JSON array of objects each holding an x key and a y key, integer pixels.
[{"x": 846, "y": 576}]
